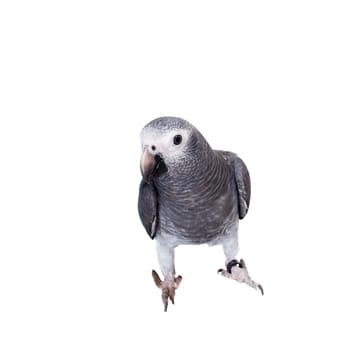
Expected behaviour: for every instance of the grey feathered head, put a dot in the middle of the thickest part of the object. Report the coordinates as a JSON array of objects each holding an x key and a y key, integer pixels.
[{"x": 171, "y": 145}]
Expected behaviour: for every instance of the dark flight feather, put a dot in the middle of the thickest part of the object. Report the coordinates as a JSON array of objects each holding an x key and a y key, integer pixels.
[{"x": 148, "y": 207}]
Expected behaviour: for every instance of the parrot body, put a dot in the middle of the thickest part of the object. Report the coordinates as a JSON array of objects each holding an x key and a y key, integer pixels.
[{"x": 190, "y": 194}]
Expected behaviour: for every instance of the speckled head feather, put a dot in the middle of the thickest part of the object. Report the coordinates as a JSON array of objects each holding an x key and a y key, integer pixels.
[{"x": 169, "y": 123}]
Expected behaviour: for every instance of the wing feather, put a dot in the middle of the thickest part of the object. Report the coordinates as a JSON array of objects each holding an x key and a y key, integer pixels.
[
  {"x": 241, "y": 179},
  {"x": 148, "y": 207}
]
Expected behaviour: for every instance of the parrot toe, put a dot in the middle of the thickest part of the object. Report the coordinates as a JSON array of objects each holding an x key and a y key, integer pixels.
[
  {"x": 168, "y": 288},
  {"x": 237, "y": 270}
]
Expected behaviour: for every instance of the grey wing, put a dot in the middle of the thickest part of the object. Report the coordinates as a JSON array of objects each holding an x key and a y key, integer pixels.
[
  {"x": 241, "y": 180},
  {"x": 148, "y": 207}
]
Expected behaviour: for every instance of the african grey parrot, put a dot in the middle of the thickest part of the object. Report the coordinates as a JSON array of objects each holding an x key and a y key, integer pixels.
[{"x": 190, "y": 194}]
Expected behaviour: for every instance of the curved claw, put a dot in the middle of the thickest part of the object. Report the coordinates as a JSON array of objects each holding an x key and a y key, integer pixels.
[
  {"x": 168, "y": 288},
  {"x": 242, "y": 264}
]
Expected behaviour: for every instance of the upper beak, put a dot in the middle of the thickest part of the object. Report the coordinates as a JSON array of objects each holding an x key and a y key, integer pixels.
[
  {"x": 147, "y": 164},
  {"x": 152, "y": 165}
]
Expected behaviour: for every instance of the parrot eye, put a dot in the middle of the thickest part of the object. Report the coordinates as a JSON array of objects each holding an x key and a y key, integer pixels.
[{"x": 177, "y": 139}]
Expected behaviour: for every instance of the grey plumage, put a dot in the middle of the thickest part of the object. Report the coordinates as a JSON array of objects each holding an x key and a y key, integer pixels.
[
  {"x": 201, "y": 197},
  {"x": 190, "y": 194}
]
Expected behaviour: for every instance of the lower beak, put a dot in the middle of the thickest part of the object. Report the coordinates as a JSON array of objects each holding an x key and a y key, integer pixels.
[{"x": 147, "y": 164}]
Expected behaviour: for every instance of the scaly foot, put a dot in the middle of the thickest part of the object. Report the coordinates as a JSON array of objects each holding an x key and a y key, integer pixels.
[
  {"x": 237, "y": 270},
  {"x": 168, "y": 287}
]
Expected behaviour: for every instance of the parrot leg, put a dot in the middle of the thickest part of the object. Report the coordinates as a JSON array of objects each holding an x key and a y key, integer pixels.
[
  {"x": 166, "y": 257},
  {"x": 237, "y": 270}
]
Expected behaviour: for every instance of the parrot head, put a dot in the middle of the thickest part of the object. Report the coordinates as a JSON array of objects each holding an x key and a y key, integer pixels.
[{"x": 169, "y": 145}]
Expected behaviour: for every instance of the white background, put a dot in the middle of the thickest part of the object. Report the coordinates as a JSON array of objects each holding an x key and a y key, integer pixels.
[{"x": 79, "y": 79}]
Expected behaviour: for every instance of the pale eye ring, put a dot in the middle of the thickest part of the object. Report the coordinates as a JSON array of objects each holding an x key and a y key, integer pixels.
[{"x": 177, "y": 140}]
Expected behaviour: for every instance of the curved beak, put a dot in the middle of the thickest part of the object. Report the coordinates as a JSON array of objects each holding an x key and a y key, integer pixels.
[
  {"x": 147, "y": 164},
  {"x": 151, "y": 165}
]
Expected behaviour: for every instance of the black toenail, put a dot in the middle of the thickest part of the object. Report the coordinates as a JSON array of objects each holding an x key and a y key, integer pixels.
[{"x": 261, "y": 289}]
